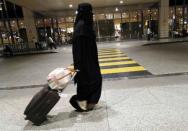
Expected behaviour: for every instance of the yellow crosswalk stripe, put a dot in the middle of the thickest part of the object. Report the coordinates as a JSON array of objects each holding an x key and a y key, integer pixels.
[
  {"x": 116, "y": 55},
  {"x": 111, "y": 59},
  {"x": 117, "y": 63},
  {"x": 101, "y": 52},
  {"x": 122, "y": 70},
  {"x": 113, "y": 63},
  {"x": 115, "y": 52},
  {"x": 108, "y": 49},
  {"x": 112, "y": 53},
  {"x": 107, "y": 53}
]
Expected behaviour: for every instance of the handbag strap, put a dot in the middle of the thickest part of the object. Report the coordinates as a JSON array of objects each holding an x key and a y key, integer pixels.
[{"x": 70, "y": 73}]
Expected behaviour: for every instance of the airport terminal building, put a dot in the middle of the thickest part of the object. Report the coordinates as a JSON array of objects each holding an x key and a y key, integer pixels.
[{"x": 114, "y": 20}]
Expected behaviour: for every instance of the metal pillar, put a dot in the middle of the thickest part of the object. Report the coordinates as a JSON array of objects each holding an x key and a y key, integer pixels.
[
  {"x": 17, "y": 21},
  {"x": 8, "y": 20},
  {"x": 183, "y": 14}
]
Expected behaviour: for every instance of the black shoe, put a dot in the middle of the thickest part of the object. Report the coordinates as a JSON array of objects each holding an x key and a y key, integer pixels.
[
  {"x": 90, "y": 106},
  {"x": 74, "y": 103}
]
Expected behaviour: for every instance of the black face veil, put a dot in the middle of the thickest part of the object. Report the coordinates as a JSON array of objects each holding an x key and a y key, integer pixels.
[{"x": 85, "y": 14}]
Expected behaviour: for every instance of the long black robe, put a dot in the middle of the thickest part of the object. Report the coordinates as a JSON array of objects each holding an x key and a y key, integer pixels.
[{"x": 85, "y": 57}]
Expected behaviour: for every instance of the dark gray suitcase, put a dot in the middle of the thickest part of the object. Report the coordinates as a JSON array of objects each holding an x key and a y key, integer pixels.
[{"x": 40, "y": 105}]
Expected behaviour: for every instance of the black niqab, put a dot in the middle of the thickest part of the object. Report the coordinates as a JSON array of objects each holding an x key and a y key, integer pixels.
[{"x": 85, "y": 56}]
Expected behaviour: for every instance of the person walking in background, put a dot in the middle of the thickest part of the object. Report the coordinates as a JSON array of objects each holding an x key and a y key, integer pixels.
[
  {"x": 51, "y": 43},
  {"x": 37, "y": 46},
  {"x": 148, "y": 34},
  {"x": 8, "y": 50},
  {"x": 184, "y": 32},
  {"x": 85, "y": 57}
]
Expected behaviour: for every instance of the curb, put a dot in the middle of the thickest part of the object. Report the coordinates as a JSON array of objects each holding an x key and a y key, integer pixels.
[{"x": 158, "y": 43}]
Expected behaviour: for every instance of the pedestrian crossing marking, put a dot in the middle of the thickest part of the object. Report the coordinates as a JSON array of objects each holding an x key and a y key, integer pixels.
[
  {"x": 109, "y": 49},
  {"x": 111, "y": 59},
  {"x": 107, "y": 56},
  {"x": 122, "y": 70},
  {"x": 109, "y": 53},
  {"x": 117, "y": 63}
]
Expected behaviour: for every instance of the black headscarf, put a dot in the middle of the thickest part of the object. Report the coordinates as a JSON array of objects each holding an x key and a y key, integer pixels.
[
  {"x": 86, "y": 16},
  {"x": 85, "y": 54},
  {"x": 84, "y": 13}
]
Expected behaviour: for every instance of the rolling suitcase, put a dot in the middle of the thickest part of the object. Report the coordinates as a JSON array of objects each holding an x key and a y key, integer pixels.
[{"x": 40, "y": 105}]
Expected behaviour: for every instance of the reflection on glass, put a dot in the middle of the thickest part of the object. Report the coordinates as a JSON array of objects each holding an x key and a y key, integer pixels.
[
  {"x": 70, "y": 27},
  {"x": 21, "y": 23},
  {"x": 94, "y": 17},
  {"x": 39, "y": 23},
  {"x": 125, "y": 17},
  {"x": 154, "y": 14},
  {"x": 100, "y": 16},
  {"x": 69, "y": 19},
  {"x": 133, "y": 16},
  {"x": 117, "y": 15},
  {"x": 47, "y": 22},
  {"x": 61, "y": 20},
  {"x": 109, "y": 16}
]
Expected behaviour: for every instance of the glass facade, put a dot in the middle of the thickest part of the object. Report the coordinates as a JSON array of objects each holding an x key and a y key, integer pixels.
[
  {"x": 115, "y": 25},
  {"x": 12, "y": 27},
  {"x": 178, "y": 18},
  {"x": 108, "y": 26}
]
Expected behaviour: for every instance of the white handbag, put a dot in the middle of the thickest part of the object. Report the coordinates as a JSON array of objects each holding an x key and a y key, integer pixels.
[{"x": 59, "y": 78}]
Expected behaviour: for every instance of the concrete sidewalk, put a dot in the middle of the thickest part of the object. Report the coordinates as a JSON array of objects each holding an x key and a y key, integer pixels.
[
  {"x": 139, "y": 104},
  {"x": 148, "y": 104},
  {"x": 31, "y": 70},
  {"x": 151, "y": 42}
]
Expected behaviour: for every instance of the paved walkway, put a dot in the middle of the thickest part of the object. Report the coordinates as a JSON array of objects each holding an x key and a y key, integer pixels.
[
  {"x": 139, "y": 104},
  {"x": 148, "y": 104},
  {"x": 31, "y": 70}
]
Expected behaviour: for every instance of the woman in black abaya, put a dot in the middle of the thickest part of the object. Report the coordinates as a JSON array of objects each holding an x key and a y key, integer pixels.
[{"x": 85, "y": 57}]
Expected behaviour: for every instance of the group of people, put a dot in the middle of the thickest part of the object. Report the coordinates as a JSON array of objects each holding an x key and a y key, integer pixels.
[{"x": 50, "y": 43}]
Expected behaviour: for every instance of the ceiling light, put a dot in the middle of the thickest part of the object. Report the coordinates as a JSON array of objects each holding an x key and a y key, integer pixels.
[
  {"x": 121, "y": 2},
  {"x": 70, "y": 5},
  {"x": 116, "y": 9},
  {"x": 76, "y": 12}
]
